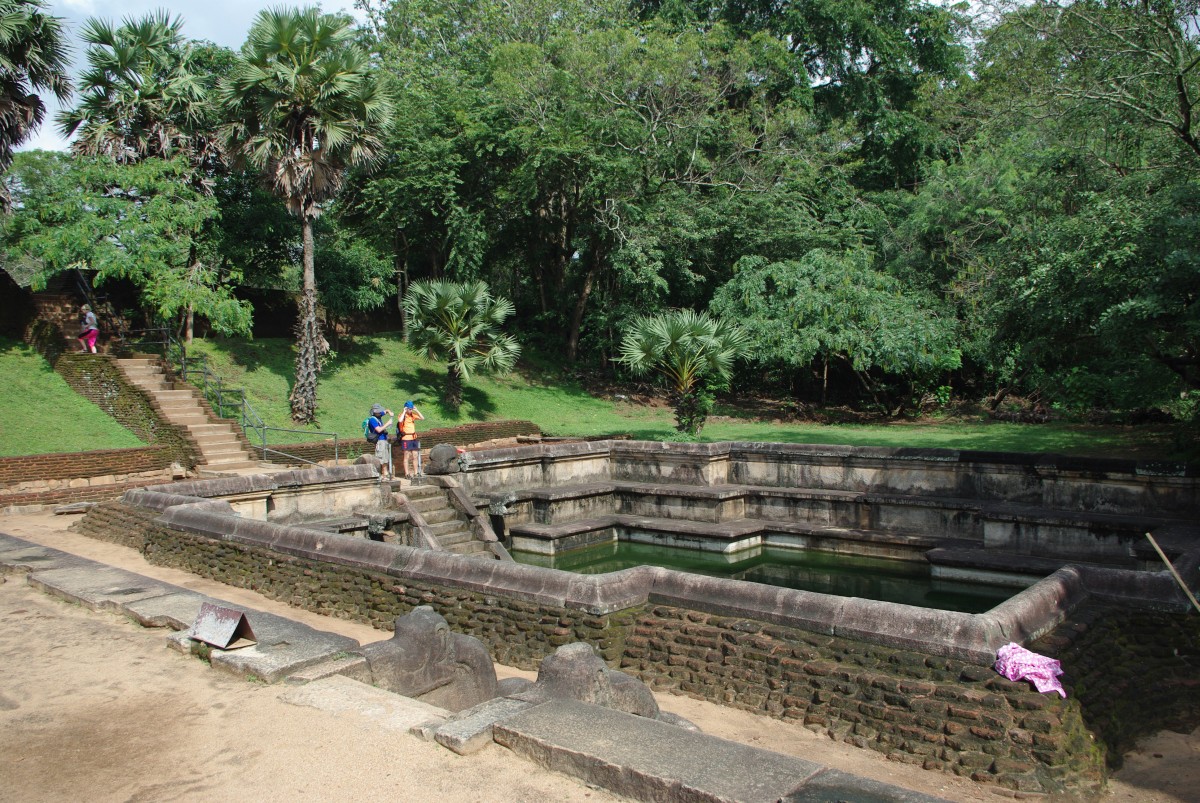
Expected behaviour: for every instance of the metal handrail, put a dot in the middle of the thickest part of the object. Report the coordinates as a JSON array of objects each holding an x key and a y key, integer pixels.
[
  {"x": 232, "y": 403},
  {"x": 226, "y": 402}
]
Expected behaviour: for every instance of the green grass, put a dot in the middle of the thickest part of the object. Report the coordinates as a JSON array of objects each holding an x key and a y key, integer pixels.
[
  {"x": 382, "y": 369},
  {"x": 41, "y": 414}
]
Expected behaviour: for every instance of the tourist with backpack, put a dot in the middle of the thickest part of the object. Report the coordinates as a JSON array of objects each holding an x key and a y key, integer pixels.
[{"x": 375, "y": 428}]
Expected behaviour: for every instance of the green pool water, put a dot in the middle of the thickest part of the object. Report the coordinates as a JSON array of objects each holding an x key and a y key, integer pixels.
[{"x": 843, "y": 575}]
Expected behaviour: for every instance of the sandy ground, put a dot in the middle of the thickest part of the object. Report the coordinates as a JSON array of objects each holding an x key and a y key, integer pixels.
[{"x": 93, "y": 706}]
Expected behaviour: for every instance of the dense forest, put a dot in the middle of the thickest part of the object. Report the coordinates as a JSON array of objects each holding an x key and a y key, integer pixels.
[{"x": 895, "y": 201}]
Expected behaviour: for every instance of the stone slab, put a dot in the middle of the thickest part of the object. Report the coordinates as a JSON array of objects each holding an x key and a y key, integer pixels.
[
  {"x": 648, "y": 760},
  {"x": 470, "y": 731},
  {"x": 97, "y": 586},
  {"x": 354, "y": 667},
  {"x": 176, "y": 610},
  {"x": 337, "y": 694},
  {"x": 17, "y": 554},
  {"x": 829, "y": 785},
  {"x": 283, "y": 647}
]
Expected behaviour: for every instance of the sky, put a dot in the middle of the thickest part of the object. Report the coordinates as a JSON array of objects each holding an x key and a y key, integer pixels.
[{"x": 224, "y": 22}]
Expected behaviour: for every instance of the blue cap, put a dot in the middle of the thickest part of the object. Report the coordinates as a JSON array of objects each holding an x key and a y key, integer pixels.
[{"x": 409, "y": 405}]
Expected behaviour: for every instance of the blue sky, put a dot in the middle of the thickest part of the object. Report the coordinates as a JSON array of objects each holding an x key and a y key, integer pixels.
[{"x": 222, "y": 21}]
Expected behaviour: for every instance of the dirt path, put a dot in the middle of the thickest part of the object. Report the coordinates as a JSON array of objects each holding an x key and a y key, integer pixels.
[{"x": 92, "y": 705}]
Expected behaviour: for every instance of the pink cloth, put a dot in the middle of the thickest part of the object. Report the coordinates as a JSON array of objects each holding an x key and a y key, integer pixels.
[{"x": 1017, "y": 663}]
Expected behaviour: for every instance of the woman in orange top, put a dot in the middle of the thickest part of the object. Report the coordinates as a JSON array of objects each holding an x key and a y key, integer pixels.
[{"x": 409, "y": 444}]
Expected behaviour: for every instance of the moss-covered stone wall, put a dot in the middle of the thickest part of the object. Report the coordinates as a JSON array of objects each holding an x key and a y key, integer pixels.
[
  {"x": 936, "y": 713},
  {"x": 98, "y": 378}
]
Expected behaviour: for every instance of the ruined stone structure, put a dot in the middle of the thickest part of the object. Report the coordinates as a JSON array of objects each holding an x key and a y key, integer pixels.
[{"x": 913, "y": 683}]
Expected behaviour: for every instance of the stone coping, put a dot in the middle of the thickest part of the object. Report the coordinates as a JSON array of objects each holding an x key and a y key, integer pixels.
[
  {"x": 724, "y": 531},
  {"x": 999, "y": 511},
  {"x": 840, "y": 454}
]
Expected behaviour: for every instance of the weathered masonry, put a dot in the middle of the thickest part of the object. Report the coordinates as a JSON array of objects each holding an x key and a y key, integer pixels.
[{"x": 910, "y": 682}]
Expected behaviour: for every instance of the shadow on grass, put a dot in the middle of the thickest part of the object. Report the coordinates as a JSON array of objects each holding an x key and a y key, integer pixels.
[
  {"x": 424, "y": 386},
  {"x": 352, "y": 352}
]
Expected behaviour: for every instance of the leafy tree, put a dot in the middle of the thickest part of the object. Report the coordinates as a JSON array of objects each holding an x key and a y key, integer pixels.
[
  {"x": 1112, "y": 67},
  {"x": 135, "y": 222},
  {"x": 828, "y": 307},
  {"x": 139, "y": 97},
  {"x": 304, "y": 105},
  {"x": 458, "y": 323},
  {"x": 33, "y": 56},
  {"x": 692, "y": 350}
]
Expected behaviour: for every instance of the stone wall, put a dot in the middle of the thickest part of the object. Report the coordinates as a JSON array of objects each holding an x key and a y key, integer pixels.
[
  {"x": 932, "y": 711},
  {"x": 936, "y": 713},
  {"x": 34, "y": 481},
  {"x": 351, "y": 448}
]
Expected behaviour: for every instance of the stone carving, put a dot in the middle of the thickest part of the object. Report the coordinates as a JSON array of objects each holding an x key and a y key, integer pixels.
[
  {"x": 575, "y": 672},
  {"x": 443, "y": 459},
  {"x": 425, "y": 660}
]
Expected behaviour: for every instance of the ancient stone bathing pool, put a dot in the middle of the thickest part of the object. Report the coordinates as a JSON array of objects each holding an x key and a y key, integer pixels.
[
  {"x": 1060, "y": 535},
  {"x": 837, "y": 574}
]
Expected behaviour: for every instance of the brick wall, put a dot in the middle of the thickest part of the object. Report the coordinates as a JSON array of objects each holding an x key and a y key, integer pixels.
[
  {"x": 463, "y": 435},
  {"x": 75, "y": 465},
  {"x": 1125, "y": 671},
  {"x": 36, "y": 481}
]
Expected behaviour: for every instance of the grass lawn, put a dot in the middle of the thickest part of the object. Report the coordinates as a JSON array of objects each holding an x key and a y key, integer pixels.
[
  {"x": 40, "y": 413},
  {"x": 381, "y": 368}
]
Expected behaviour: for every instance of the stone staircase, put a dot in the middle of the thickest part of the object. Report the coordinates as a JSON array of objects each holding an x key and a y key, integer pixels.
[
  {"x": 221, "y": 450},
  {"x": 450, "y": 528}
]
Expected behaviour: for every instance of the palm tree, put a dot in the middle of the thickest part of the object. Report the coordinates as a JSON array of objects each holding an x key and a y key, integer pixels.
[
  {"x": 303, "y": 106},
  {"x": 139, "y": 97},
  {"x": 33, "y": 55},
  {"x": 459, "y": 324},
  {"x": 689, "y": 348}
]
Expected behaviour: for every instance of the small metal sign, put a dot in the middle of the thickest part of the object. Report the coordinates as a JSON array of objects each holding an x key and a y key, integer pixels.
[{"x": 224, "y": 628}]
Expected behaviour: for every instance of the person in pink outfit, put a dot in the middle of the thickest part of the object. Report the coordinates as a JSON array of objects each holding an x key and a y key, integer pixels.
[{"x": 89, "y": 329}]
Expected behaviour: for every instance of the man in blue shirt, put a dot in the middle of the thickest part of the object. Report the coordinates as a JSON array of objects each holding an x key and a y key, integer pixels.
[{"x": 383, "y": 449}]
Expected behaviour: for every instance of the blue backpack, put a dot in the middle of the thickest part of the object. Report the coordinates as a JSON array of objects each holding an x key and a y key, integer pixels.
[{"x": 369, "y": 430}]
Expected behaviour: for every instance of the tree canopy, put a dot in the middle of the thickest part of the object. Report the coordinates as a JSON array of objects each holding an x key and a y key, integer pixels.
[{"x": 893, "y": 198}]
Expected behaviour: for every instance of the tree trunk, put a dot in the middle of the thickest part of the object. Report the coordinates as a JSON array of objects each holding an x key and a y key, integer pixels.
[
  {"x": 454, "y": 388},
  {"x": 589, "y": 280},
  {"x": 308, "y": 339},
  {"x": 400, "y": 265}
]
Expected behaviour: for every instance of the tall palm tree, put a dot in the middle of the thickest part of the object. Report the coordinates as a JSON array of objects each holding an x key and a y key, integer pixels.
[
  {"x": 688, "y": 348},
  {"x": 303, "y": 106},
  {"x": 459, "y": 324},
  {"x": 33, "y": 56},
  {"x": 139, "y": 97}
]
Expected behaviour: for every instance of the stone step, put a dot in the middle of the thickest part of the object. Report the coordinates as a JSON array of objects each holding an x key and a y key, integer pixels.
[
  {"x": 415, "y": 492},
  {"x": 223, "y": 436},
  {"x": 138, "y": 363},
  {"x": 470, "y": 549},
  {"x": 459, "y": 539},
  {"x": 181, "y": 393},
  {"x": 429, "y": 504},
  {"x": 209, "y": 429},
  {"x": 229, "y": 465},
  {"x": 440, "y": 515},
  {"x": 445, "y": 527}
]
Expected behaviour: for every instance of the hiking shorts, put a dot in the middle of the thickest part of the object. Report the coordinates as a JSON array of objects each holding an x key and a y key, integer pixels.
[{"x": 410, "y": 446}]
